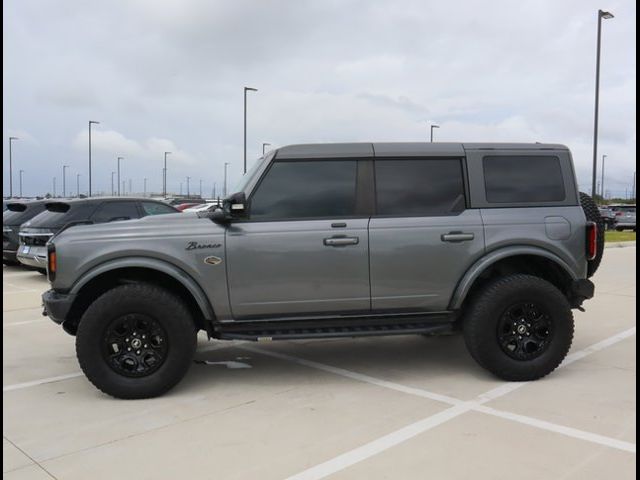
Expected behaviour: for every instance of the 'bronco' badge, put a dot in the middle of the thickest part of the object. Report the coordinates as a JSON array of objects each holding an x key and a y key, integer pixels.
[{"x": 212, "y": 260}]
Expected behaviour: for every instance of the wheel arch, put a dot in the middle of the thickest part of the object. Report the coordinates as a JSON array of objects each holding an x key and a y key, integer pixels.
[
  {"x": 140, "y": 269},
  {"x": 520, "y": 259}
]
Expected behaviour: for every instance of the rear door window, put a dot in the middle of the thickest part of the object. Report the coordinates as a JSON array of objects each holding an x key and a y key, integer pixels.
[
  {"x": 114, "y": 211},
  {"x": 419, "y": 187},
  {"x": 523, "y": 179}
]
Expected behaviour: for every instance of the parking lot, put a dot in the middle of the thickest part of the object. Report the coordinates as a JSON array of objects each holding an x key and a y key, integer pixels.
[{"x": 406, "y": 407}]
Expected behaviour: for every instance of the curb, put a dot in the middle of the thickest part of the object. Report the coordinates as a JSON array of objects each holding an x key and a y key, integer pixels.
[{"x": 631, "y": 243}]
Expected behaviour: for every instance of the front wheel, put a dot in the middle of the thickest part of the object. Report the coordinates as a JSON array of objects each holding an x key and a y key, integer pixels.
[
  {"x": 136, "y": 341},
  {"x": 519, "y": 327}
]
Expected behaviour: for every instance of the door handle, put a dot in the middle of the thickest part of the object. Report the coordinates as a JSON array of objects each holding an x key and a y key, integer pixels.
[
  {"x": 341, "y": 241},
  {"x": 455, "y": 237}
]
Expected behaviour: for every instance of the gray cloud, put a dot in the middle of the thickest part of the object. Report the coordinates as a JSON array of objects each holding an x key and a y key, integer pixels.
[{"x": 172, "y": 72}]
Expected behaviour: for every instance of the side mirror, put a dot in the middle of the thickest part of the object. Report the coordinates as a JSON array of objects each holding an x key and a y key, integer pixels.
[{"x": 233, "y": 207}]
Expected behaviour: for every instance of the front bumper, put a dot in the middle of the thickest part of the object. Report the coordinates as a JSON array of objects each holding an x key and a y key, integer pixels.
[
  {"x": 36, "y": 256},
  {"x": 579, "y": 291},
  {"x": 57, "y": 305}
]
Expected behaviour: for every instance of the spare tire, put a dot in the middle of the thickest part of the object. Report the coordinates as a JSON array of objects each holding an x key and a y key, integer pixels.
[{"x": 593, "y": 215}]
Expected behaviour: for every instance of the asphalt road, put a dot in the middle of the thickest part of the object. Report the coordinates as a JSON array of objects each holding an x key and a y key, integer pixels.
[{"x": 405, "y": 407}]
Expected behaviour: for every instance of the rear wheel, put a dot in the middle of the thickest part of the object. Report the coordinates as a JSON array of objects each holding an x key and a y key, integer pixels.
[
  {"x": 519, "y": 327},
  {"x": 136, "y": 341}
]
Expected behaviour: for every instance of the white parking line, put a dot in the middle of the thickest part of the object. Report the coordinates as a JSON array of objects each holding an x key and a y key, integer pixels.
[
  {"x": 30, "y": 290},
  {"x": 42, "y": 381},
  {"x": 13, "y": 324},
  {"x": 370, "y": 449}
]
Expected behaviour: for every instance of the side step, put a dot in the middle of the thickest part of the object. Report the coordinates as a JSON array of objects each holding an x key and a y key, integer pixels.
[{"x": 263, "y": 332}]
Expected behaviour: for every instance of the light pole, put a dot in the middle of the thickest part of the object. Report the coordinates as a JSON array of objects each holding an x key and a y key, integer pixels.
[
  {"x": 602, "y": 177},
  {"x": 200, "y": 188},
  {"x": 246, "y": 89},
  {"x": 224, "y": 192},
  {"x": 164, "y": 175},
  {"x": 188, "y": 193},
  {"x": 21, "y": 172},
  {"x": 78, "y": 185},
  {"x": 64, "y": 180},
  {"x": 214, "y": 190},
  {"x": 130, "y": 187},
  {"x": 112, "y": 190},
  {"x": 144, "y": 193},
  {"x": 119, "y": 158},
  {"x": 180, "y": 188},
  {"x": 124, "y": 190},
  {"x": 91, "y": 122},
  {"x": 264, "y": 145},
  {"x": 432, "y": 127},
  {"x": 606, "y": 15},
  {"x": 54, "y": 187},
  {"x": 11, "y": 139}
]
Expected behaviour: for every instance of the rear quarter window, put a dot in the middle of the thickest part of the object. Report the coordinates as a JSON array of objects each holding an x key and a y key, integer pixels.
[{"x": 523, "y": 179}]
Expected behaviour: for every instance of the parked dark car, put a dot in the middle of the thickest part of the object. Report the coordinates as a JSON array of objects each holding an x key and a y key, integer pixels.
[
  {"x": 64, "y": 213},
  {"x": 16, "y": 214}
]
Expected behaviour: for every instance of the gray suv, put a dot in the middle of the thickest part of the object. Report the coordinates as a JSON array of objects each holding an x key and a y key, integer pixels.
[{"x": 340, "y": 240}]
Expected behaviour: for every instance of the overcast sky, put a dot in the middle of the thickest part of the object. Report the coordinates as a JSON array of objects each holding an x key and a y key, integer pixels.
[{"x": 168, "y": 75}]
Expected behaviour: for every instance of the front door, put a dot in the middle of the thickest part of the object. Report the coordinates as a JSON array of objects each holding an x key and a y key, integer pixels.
[{"x": 304, "y": 249}]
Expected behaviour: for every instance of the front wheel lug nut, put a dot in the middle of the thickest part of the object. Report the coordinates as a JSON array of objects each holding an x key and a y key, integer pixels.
[
  {"x": 145, "y": 345},
  {"x": 137, "y": 352},
  {"x": 129, "y": 349}
]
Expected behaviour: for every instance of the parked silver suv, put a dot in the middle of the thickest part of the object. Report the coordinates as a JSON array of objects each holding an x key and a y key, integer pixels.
[{"x": 340, "y": 240}]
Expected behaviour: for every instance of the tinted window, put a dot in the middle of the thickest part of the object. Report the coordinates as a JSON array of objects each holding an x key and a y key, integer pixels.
[
  {"x": 306, "y": 189},
  {"x": 57, "y": 217},
  {"x": 419, "y": 187},
  {"x": 116, "y": 211},
  {"x": 21, "y": 213},
  {"x": 523, "y": 179},
  {"x": 153, "y": 208}
]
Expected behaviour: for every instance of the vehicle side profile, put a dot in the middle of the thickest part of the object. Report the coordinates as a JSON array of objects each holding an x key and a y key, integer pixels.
[
  {"x": 60, "y": 214},
  {"x": 340, "y": 240},
  {"x": 17, "y": 212}
]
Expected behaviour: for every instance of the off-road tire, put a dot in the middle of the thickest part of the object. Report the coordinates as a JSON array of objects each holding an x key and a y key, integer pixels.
[
  {"x": 160, "y": 305},
  {"x": 482, "y": 319},
  {"x": 593, "y": 215}
]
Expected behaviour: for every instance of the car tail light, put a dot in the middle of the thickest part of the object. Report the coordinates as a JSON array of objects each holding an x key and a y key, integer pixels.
[
  {"x": 52, "y": 261},
  {"x": 592, "y": 240}
]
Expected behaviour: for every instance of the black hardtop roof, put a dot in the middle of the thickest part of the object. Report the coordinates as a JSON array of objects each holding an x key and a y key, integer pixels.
[{"x": 387, "y": 149}]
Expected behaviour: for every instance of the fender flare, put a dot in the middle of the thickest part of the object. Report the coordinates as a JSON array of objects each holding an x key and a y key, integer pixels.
[
  {"x": 470, "y": 276},
  {"x": 152, "y": 264}
]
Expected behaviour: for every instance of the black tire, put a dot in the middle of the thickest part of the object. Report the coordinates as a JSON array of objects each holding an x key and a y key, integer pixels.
[
  {"x": 593, "y": 215},
  {"x": 42, "y": 271},
  {"x": 166, "y": 311},
  {"x": 483, "y": 327}
]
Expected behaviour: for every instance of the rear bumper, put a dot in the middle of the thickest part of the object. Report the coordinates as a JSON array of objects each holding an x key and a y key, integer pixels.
[
  {"x": 57, "y": 305},
  {"x": 36, "y": 257},
  {"x": 579, "y": 291}
]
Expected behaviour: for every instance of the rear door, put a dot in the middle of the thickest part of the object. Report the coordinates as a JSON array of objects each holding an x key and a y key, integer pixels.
[
  {"x": 304, "y": 249},
  {"x": 423, "y": 237}
]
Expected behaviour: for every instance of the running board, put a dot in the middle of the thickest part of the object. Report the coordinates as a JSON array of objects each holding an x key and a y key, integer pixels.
[{"x": 264, "y": 332}]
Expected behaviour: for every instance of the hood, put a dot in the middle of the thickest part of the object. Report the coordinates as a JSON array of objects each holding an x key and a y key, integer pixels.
[{"x": 153, "y": 226}]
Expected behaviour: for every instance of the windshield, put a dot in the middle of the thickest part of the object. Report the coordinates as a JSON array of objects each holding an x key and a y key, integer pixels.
[{"x": 246, "y": 179}]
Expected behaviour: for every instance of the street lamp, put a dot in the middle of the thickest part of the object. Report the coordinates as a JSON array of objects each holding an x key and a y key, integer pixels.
[
  {"x": 606, "y": 15},
  {"x": 119, "y": 158},
  {"x": 224, "y": 192},
  {"x": 432, "y": 127},
  {"x": 246, "y": 89},
  {"x": 112, "y": 191},
  {"x": 54, "y": 187},
  {"x": 264, "y": 145},
  {"x": 602, "y": 180},
  {"x": 78, "y": 185},
  {"x": 64, "y": 180},
  {"x": 144, "y": 193},
  {"x": 130, "y": 187},
  {"x": 91, "y": 122},
  {"x": 200, "y": 188},
  {"x": 164, "y": 175},
  {"x": 188, "y": 193},
  {"x": 11, "y": 139},
  {"x": 21, "y": 172}
]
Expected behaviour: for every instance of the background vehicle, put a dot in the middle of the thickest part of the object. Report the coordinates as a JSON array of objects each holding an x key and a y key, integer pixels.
[
  {"x": 183, "y": 206},
  {"x": 35, "y": 233},
  {"x": 16, "y": 214},
  {"x": 608, "y": 216},
  {"x": 341, "y": 240},
  {"x": 625, "y": 216},
  {"x": 205, "y": 207}
]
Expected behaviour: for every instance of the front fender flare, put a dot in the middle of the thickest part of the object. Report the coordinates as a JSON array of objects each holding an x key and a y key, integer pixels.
[
  {"x": 152, "y": 264},
  {"x": 461, "y": 291}
]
